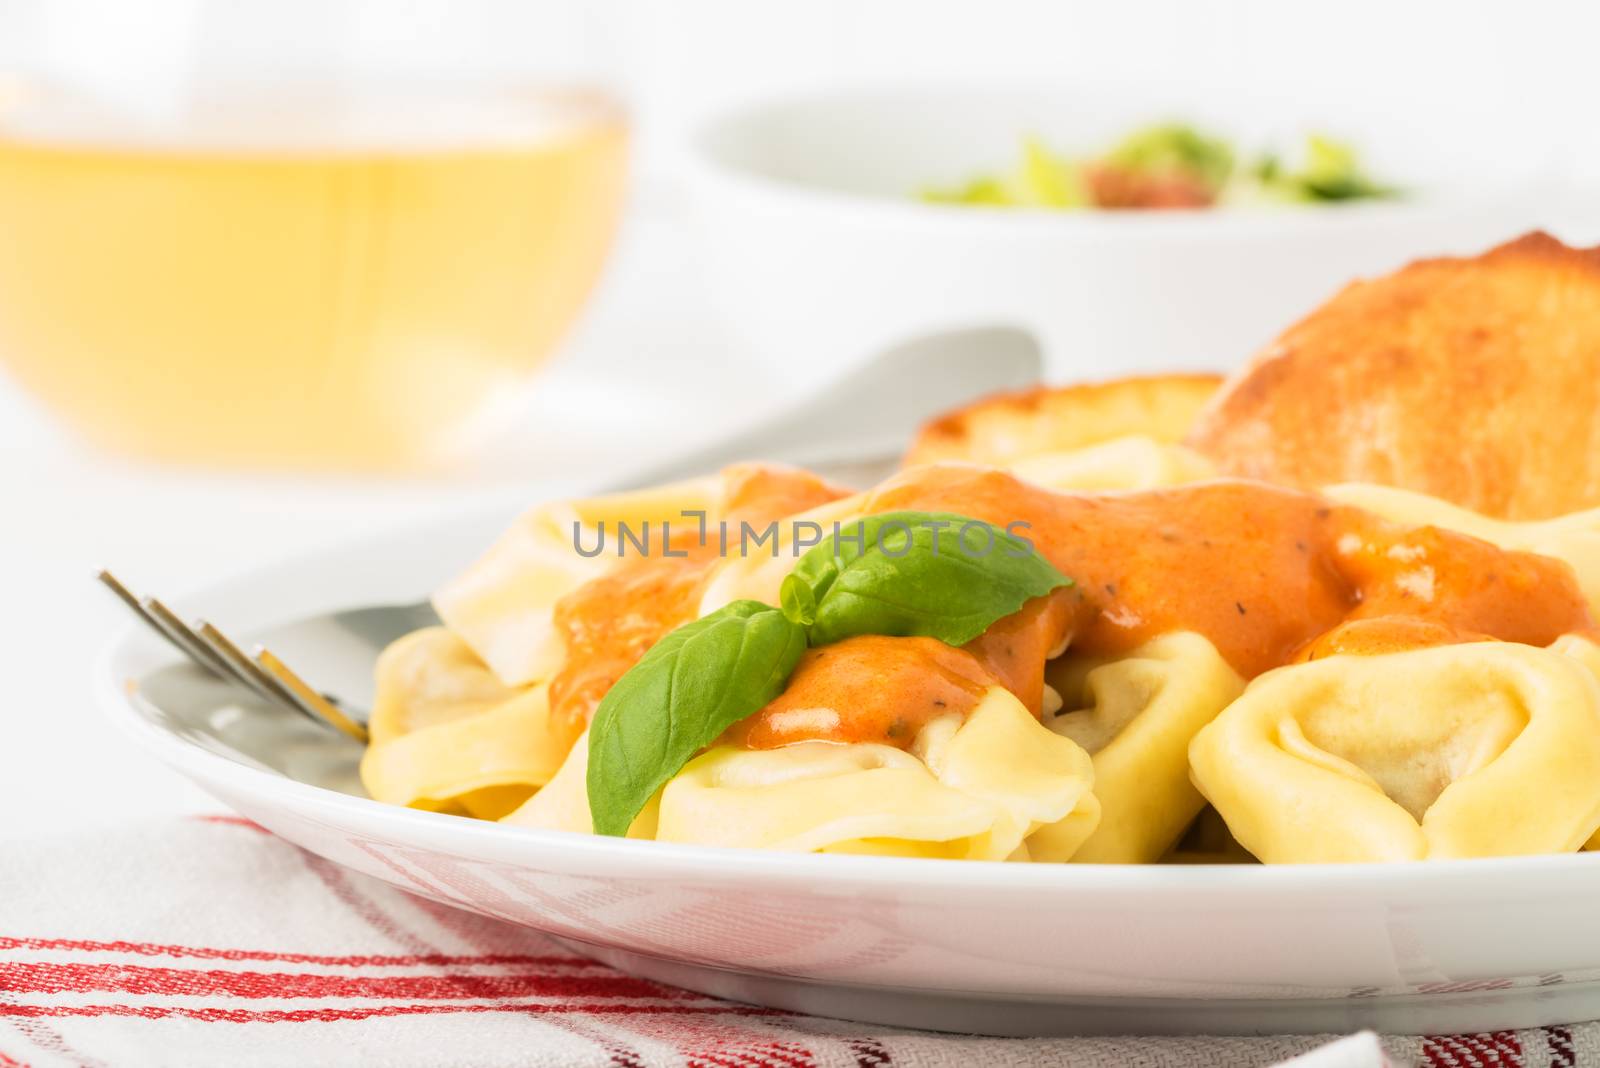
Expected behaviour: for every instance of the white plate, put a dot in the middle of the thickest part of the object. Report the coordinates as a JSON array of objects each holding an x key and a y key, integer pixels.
[{"x": 1004, "y": 949}]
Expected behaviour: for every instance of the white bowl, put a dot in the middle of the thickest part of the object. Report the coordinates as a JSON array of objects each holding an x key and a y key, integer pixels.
[
  {"x": 819, "y": 250},
  {"x": 1438, "y": 947}
]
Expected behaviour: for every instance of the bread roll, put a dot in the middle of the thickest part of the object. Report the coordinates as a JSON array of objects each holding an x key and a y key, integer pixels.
[
  {"x": 1006, "y": 427},
  {"x": 1475, "y": 380}
]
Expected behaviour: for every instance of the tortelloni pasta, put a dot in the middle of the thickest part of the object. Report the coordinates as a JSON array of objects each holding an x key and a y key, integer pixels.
[
  {"x": 1470, "y": 750},
  {"x": 563, "y": 805},
  {"x": 986, "y": 787},
  {"x": 1136, "y": 715},
  {"x": 502, "y": 605},
  {"x": 1076, "y": 692},
  {"x": 461, "y": 721},
  {"x": 468, "y": 717},
  {"x": 1586, "y": 653},
  {"x": 446, "y": 734}
]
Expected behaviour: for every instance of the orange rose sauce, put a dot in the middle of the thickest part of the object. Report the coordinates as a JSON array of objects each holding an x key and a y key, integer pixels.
[
  {"x": 1269, "y": 575},
  {"x": 610, "y": 622}
]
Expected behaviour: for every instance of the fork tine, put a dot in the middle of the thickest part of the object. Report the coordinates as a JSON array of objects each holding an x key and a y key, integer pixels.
[
  {"x": 174, "y": 635},
  {"x": 265, "y": 675},
  {"x": 308, "y": 700},
  {"x": 243, "y": 669},
  {"x": 179, "y": 632},
  {"x": 125, "y": 595}
]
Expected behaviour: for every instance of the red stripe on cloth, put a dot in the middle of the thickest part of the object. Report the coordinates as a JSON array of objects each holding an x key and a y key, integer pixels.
[
  {"x": 1558, "y": 1040},
  {"x": 714, "y": 1043},
  {"x": 1495, "y": 1049},
  {"x": 36, "y": 978},
  {"x": 870, "y": 1053},
  {"x": 156, "y": 949},
  {"x": 10, "y": 1062},
  {"x": 756, "y": 1055},
  {"x": 622, "y": 1055},
  {"x": 231, "y": 821},
  {"x": 51, "y": 1041},
  {"x": 325, "y": 1015},
  {"x": 480, "y": 932}
]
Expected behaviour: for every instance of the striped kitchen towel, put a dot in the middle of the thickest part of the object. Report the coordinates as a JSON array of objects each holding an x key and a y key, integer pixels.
[{"x": 210, "y": 942}]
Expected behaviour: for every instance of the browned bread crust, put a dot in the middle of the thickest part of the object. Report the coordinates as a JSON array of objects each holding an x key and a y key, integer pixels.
[
  {"x": 1005, "y": 427},
  {"x": 1476, "y": 380}
]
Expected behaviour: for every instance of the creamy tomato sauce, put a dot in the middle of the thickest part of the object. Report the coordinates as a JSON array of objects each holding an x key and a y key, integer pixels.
[
  {"x": 1268, "y": 575},
  {"x": 1384, "y": 634},
  {"x": 610, "y": 622},
  {"x": 877, "y": 689},
  {"x": 868, "y": 689},
  {"x": 1259, "y": 570}
]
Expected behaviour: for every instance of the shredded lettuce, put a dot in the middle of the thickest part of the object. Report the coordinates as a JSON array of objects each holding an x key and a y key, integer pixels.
[
  {"x": 1331, "y": 171},
  {"x": 1175, "y": 149},
  {"x": 1042, "y": 180},
  {"x": 1326, "y": 170},
  {"x": 1051, "y": 181}
]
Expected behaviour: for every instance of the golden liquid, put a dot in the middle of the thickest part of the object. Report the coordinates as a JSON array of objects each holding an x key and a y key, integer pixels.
[{"x": 351, "y": 298}]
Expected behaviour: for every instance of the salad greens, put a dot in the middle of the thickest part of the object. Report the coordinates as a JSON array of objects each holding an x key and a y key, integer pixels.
[
  {"x": 1329, "y": 170},
  {"x": 1170, "y": 165},
  {"x": 1175, "y": 148}
]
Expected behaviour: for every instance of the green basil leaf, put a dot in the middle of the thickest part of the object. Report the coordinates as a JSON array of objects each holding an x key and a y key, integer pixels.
[
  {"x": 931, "y": 574},
  {"x": 797, "y": 600},
  {"x": 691, "y": 686}
]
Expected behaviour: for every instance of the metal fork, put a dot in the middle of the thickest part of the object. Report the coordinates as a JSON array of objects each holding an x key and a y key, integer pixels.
[
  {"x": 869, "y": 412},
  {"x": 259, "y": 672}
]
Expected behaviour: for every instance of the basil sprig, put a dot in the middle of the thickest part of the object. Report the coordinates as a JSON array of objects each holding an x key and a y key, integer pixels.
[
  {"x": 691, "y": 686},
  {"x": 928, "y": 574},
  {"x": 933, "y": 574}
]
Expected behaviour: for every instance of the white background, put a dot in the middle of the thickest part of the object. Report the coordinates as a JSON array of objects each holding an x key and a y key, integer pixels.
[{"x": 650, "y": 362}]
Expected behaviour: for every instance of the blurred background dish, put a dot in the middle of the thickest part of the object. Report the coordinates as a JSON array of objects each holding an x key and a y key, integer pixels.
[
  {"x": 1173, "y": 165},
  {"x": 818, "y": 243}
]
